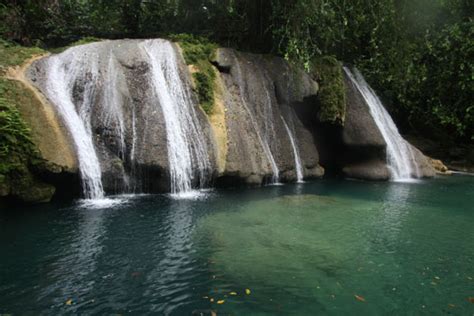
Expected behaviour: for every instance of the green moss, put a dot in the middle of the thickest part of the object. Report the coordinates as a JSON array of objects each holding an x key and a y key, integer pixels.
[
  {"x": 13, "y": 55},
  {"x": 198, "y": 51},
  {"x": 18, "y": 155},
  {"x": 332, "y": 96}
]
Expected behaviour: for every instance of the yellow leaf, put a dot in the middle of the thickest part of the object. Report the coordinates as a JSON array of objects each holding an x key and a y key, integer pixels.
[
  {"x": 247, "y": 291},
  {"x": 220, "y": 302},
  {"x": 69, "y": 302},
  {"x": 359, "y": 298},
  {"x": 233, "y": 293}
]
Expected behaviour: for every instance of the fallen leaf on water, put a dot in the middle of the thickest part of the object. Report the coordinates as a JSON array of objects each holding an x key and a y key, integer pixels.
[
  {"x": 69, "y": 302},
  {"x": 247, "y": 291},
  {"x": 437, "y": 278},
  {"x": 452, "y": 305},
  {"x": 205, "y": 297},
  {"x": 220, "y": 302},
  {"x": 359, "y": 298},
  {"x": 211, "y": 300},
  {"x": 471, "y": 299},
  {"x": 213, "y": 313},
  {"x": 233, "y": 293}
]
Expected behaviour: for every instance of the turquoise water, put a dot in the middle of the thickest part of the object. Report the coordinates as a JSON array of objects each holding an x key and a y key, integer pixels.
[{"x": 327, "y": 247}]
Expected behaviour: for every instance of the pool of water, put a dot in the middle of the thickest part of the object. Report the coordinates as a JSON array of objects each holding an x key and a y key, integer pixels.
[{"x": 325, "y": 247}]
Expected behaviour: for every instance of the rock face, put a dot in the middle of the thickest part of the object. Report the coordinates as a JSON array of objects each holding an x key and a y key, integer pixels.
[
  {"x": 363, "y": 146},
  {"x": 113, "y": 88},
  {"x": 263, "y": 126},
  {"x": 261, "y": 94}
]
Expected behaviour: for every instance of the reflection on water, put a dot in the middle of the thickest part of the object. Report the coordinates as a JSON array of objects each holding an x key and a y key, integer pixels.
[
  {"x": 173, "y": 259},
  {"x": 306, "y": 249}
]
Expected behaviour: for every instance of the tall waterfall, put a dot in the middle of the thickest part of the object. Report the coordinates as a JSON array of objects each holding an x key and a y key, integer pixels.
[
  {"x": 107, "y": 101},
  {"x": 296, "y": 153},
  {"x": 63, "y": 72},
  {"x": 400, "y": 156},
  {"x": 187, "y": 149}
]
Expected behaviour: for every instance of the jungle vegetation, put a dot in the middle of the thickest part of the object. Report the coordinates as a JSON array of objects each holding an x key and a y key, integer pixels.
[{"x": 417, "y": 54}]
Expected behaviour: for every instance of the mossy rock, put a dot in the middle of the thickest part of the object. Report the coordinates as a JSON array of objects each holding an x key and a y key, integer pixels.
[
  {"x": 18, "y": 155},
  {"x": 37, "y": 192},
  {"x": 199, "y": 52},
  {"x": 328, "y": 72}
]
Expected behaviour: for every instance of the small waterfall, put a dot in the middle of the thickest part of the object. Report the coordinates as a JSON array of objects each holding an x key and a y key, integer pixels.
[
  {"x": 187, "y": 149},
  {"x": 264, "y": 140},
  {"x": 296, "y": 153},
  {"x": 63, "y": 73},
  {"x": 400, "y": 156}
]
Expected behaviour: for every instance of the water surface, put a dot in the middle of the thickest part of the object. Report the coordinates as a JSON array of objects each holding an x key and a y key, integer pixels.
[{"x": 327, "y": 247}]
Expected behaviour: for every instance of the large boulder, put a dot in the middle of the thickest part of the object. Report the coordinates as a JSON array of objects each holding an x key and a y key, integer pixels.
[
  {"x": 261, "y": 94},
  {"x": 364, "y": 153},
  {"x": 364, "y": 148},
  {"x": 124, "y": 112}
]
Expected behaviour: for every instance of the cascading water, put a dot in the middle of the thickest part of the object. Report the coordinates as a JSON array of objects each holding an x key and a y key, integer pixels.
[
  {"x": 63, "y": 72},
  {"x": 187, "y": 149},
  {"x": 262, "y": 139},
  {"x": 400, "y": 156},
  {"x": 296, "y": 153}
]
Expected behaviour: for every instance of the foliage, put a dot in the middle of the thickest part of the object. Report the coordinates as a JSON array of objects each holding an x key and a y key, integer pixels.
[
  {"x": 17, "y": 151},
  {"x": 198, "y": 52},
  {"x": 332, "y": 96},
  {"x": 418, "y": 55},
  {"x": 411, "y": 51},
  {"x": 12, "y": 54}
]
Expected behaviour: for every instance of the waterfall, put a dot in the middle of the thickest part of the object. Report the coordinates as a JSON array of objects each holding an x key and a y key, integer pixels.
[
  {"x": 187, "y": 149},
  {"x": 296, "y": 153},
  {"x": 264, "y": 140},
  {"x": 400, "y": 156},
  {"x": 63, "y": 72}
]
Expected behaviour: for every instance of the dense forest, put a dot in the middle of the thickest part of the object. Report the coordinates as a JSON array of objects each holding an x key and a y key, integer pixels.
[{"x": 417, "y": 54}]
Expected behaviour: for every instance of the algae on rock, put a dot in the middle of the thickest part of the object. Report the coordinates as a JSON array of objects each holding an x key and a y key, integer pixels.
[
  {"x": 19, "y": 157},
  {"x": 198, "y": 52}
]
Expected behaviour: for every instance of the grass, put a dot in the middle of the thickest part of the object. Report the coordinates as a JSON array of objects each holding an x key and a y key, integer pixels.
[
  {"x": 13, "y": 55},
  {"x": 198, "y": 51},
  {"x": 332, "y": 97}
]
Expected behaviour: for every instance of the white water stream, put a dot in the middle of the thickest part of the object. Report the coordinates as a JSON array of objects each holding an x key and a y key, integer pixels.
[
  {"x": 187, "y": 148},
  {"x": 296, "y": 153},
  {"x": 400, "y": 156},
  {"x": 64, "y": 71}
]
